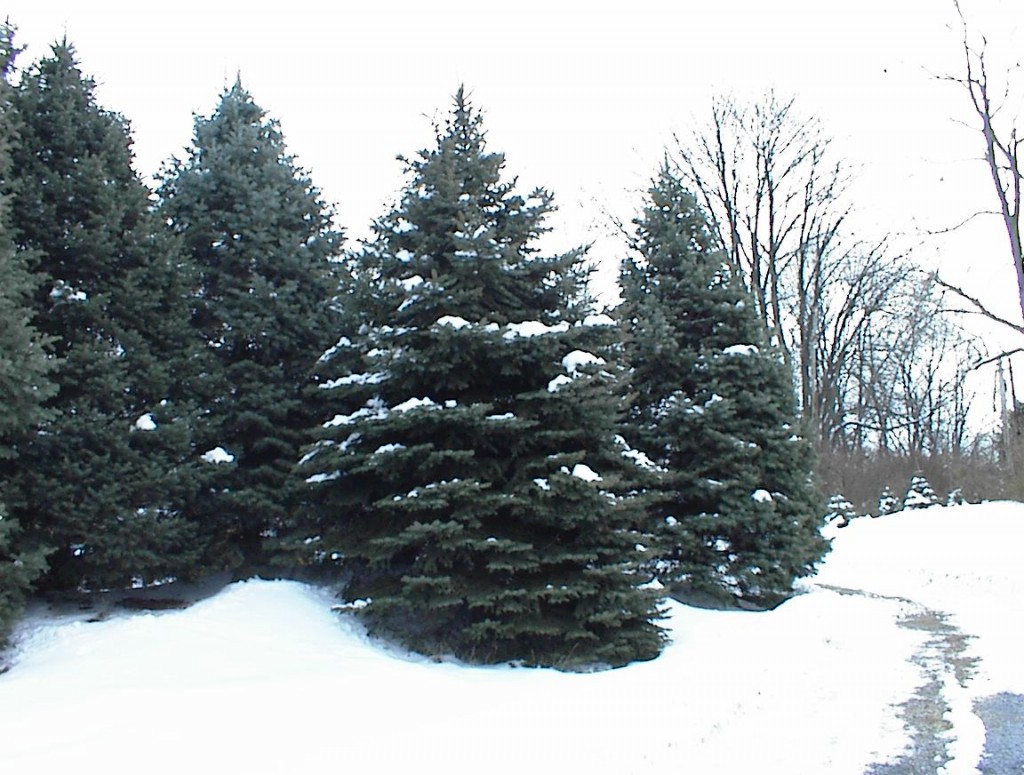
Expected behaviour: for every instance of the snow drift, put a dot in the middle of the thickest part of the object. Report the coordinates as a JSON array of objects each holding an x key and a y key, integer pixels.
[{"x": 266, "y": 678}]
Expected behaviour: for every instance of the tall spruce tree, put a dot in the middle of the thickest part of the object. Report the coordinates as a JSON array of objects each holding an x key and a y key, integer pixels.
[
  {"x": 25, "y": 367},
  {"x": 105, "y": 480},
  {"x": 468, "y": 476},
  {"x": 263, "y": 240},
  {"x": 714, "y": 409}
]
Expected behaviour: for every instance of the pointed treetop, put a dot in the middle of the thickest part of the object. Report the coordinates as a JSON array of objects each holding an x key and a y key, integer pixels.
[
  {"x": 64, "y": 53},
  {"x": 8, "y": 50}
]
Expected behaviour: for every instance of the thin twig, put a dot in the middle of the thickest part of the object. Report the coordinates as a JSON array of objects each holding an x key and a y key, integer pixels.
[{"x": 980, "y": 308}]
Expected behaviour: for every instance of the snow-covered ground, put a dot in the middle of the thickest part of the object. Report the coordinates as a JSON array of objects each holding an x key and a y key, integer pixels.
[{"x": 265, "y": 678}]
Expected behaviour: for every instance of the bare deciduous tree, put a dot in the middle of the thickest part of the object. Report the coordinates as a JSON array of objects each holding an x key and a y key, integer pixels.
[
  {"x": 773, "y": 195},
  {"x": 1002, "y": 147},
  {"x": 859, "y": 326},
  {"x": 776, "y": 198},
  {"x": 860, "y": 302},
  {"x": 927, "y": 376}
]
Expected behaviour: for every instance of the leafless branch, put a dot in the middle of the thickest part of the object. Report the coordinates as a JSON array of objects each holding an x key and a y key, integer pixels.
[
  {"x": 979, "y": 307},
  {"x": 960, "y": 225},
  {"x": 999, "y": 357},
  {"x": 1002, "y": 150}
]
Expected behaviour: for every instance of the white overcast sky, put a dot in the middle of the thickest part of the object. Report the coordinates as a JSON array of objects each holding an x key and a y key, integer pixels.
[{"x": 582, "y": 97}]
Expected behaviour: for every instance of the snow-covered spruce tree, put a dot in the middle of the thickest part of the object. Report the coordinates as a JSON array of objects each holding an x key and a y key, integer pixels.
[
  {"x": 714, "y": 407},
  {"x": 263, "y": 240},
  {"x": 469, "y": 473},
  {"x": 888, "y": 503},
  {"x": 25, "y": 367},
  {"x": 839, "y": 509},
  {"x": 104, "y": 481},
  {"x": 920, "y": 494},
  {"x": 955, "y": 497}
]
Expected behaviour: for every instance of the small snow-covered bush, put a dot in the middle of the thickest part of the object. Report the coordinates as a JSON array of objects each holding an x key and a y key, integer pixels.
[
  {"x": 840, "y": 509},
  {"x": 920, "y": 494},
  {"x": 888, "y": 503}
]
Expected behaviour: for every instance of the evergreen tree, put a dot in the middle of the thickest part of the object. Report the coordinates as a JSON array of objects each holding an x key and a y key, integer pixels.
[
  {"x": 955, "y": 497},
  {"x": 105, "y": 480},
  {"x": 25, "y": 367},
  {"x": 888, "y": 503},
  {"x": 920, "y": 494},
  {"x": 263, "y": 241},
  {"x": 469, "y": 476},
  {"x": 713, "y": 407},
  {"x": 840, "y": 510},
  {"x": 19, "y": 568}
]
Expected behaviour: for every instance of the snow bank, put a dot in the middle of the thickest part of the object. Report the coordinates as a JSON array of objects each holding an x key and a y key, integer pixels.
[
  {"x": 175, "y": 693},
  {"x": 267, "y": 678},
  {"x": 963, "y": 560}
]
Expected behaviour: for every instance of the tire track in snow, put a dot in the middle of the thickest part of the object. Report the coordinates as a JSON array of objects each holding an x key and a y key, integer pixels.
[{"x": 946, "y": 667}]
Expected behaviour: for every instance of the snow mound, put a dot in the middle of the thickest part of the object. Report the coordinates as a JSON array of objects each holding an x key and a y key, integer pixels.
[{"x": 812, "y": 686}]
